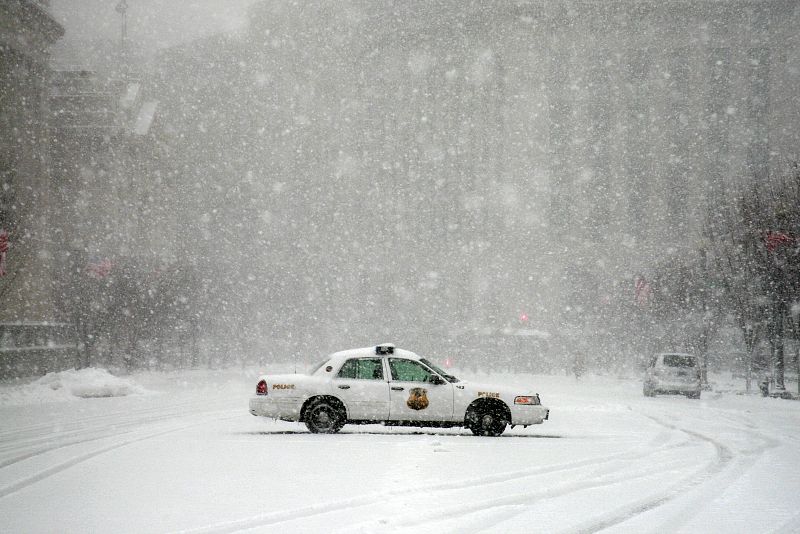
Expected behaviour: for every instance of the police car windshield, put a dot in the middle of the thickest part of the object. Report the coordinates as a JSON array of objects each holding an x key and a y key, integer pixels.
[
  {"x": 448, "y": 377},
  {"x": 317, "y": 367}
]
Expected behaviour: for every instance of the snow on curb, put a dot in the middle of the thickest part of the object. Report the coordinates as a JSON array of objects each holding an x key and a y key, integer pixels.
[{"x": 69, "y": 385}]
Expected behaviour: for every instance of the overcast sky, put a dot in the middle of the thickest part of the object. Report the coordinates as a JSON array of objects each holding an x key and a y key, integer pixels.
[{"x": 153, "y": 24}]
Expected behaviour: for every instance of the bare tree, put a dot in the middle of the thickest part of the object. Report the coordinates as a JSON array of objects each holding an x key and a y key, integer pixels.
[{"x": 756, "y": 253}]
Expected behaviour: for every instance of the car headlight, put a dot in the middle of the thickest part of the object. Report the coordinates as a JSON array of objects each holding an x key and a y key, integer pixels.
[{"x": 527, "y": 399}]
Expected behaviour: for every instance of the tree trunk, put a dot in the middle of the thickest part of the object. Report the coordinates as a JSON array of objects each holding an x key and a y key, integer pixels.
[
  {"x": 703, "y": 350},
  {"x": 797, "y": 365},
  {"x": 779, "y": 359}
]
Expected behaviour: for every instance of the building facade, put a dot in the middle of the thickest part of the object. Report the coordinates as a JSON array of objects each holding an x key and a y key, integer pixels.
[
  {"x": 26, "y": 33},
  {"x": 569, "y": 145}
]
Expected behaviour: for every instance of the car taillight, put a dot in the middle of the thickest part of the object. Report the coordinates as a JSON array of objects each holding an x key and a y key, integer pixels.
[
  {"x": 527, "y": 399},
  {"x": 261, "y": 388}
]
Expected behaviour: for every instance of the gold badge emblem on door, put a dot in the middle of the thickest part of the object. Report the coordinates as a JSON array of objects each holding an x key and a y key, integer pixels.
[{"x": 418, "y": 399}]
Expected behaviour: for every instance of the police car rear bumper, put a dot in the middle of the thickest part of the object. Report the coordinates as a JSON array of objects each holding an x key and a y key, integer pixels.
[
  {"x": 677, "y": 385},
  {"x": 284, "y": 408}
]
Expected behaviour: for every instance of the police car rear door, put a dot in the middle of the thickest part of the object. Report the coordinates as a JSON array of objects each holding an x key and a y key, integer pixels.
[{"x": 362, "y": 385}]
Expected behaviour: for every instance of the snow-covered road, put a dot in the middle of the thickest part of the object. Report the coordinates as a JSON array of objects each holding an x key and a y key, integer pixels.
[{"x": 186, "y": 456}]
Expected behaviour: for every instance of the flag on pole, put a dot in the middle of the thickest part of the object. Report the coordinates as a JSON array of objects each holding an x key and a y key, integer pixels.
[
  {"x": 773, "y": 240},
  {"x": 642, "y": 290}
]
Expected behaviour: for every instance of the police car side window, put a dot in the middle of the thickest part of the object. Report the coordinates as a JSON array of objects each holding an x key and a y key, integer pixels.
[
  {"x": 370, "y": 369},
  {"x": 348, "y": 370},
  {"x": 362, "y": 369},
  {"x": 408, "y": 371}
]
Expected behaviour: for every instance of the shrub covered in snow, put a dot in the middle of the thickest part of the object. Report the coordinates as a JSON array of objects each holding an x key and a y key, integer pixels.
[{"x": 67, "y": 385}]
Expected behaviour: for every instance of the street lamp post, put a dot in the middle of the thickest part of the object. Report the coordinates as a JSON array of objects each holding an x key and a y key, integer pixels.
[{"x": 122, "y": 8}]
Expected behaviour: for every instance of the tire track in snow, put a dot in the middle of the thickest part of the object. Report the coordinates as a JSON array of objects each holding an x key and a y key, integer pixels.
[
  {"x": 72, "y": 422},
  {"x": 789, "y": 527},
  {"x": 58, "y": 439},
  {"x": 272, "y": 518},
  {"x": 723, "y": 456},
  {"x": 493, "y": 512},
  {"x": 728, "y": 465},
  {"x": 75, "y": 460},
  {"x": 736, "y": 467},
  {"x": 10, "y": 451},
  {"x": 20, "y": 437}
]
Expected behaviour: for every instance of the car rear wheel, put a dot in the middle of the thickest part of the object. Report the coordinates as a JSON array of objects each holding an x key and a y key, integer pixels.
[
  {"x": 693, "y": 394},
  {"x": 486, "y": 421},
  {"x": 324, "y": 418}
]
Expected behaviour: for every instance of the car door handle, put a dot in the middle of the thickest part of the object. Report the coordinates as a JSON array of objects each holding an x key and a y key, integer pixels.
[
  {"x": 344, "y": 387},
  {"x": 397, "y": 388}
]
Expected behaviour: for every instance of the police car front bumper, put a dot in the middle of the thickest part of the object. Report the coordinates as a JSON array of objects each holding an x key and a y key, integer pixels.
[{"x": 529, "y": 414}]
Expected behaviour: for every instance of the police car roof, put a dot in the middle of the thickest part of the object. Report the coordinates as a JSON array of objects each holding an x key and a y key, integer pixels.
[{"x": 366, "y": 352}]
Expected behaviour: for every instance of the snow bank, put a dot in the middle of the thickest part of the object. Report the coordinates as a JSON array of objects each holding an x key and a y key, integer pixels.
[{"x": 67, "y": 385}]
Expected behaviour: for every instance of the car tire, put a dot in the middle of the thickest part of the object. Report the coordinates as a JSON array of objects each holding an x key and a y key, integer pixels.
[
  {"x": 486, "y": 421},
  {"x": 693, "y": 394},
  {"x": 648, "y": 391},
  {"x": 324, "y": 418}
]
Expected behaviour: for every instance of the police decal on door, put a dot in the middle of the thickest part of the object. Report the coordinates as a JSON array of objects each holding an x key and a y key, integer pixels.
[{"x": 417, "y": 399}]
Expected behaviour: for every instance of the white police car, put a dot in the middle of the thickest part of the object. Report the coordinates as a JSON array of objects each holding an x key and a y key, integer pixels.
[{"x": 391, "y": 386}]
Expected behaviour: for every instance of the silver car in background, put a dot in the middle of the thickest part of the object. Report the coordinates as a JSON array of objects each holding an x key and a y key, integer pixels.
[{"x": 673, "y": 372}]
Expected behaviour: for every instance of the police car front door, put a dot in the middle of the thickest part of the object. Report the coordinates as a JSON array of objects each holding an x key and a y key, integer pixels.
[{"x": 416, "y": 395}]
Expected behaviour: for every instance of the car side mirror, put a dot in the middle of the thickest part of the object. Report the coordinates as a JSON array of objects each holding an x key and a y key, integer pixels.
[{"x": 436, "y": 380}]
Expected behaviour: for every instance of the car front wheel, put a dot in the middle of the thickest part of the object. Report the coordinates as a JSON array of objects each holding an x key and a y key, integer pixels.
[
  {"x": 486, "y": 421},
  {"x": 323, "y": 418}
]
